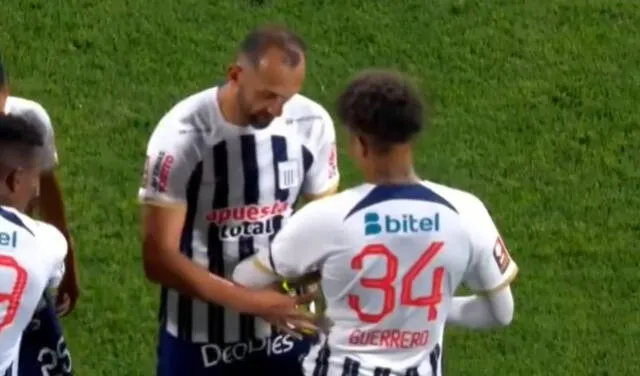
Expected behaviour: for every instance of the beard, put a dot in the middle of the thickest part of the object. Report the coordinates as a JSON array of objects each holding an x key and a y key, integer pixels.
[
  {"x": 260, "y": 120},
  {"x": 257, "y": 119}
]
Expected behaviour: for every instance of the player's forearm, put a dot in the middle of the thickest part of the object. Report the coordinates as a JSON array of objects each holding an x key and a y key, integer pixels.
[
  {"x": 482, "y": 312},
  {"x": 51, "y": 205}
]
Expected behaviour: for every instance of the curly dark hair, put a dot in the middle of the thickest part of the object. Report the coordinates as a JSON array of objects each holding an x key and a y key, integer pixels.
[{"x": 383, "y": 106}]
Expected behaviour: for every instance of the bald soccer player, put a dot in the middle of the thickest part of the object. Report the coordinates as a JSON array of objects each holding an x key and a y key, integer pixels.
[{"x": 224, "y": 169}]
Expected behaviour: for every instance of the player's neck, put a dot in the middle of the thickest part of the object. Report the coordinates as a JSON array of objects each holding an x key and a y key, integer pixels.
[
  {"x": 5, "y": 200},
  {"x": 229, "y": 106},
  {"x": 395, "y": 169}
]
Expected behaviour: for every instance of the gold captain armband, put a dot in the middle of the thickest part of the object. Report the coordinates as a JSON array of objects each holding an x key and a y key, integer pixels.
[{"x": 317, "y": 306}]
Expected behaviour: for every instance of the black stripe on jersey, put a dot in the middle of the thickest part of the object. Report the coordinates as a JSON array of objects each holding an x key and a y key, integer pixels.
[
  {"x": 350, "y": 367},
  {"x": 215, "y": 249},
  {"x": 279, "y": 150},
  {"x": 379, "y": 371},
  {"x": 307, "y": 159},
  {"x": 251, "y": 197},
  {"x": 185, "y": 303},
  {"x": 9, "y": 371},
  {"x": 322, "y": 361},
  {"x": 434, "y": 359}
]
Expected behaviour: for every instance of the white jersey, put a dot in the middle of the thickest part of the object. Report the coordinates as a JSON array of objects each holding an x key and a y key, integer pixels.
[
  {"x": 239, "y": 185},
  {"x": 31, "y": 260},
  {"x": 37, "y": 115},
  {"x": 391, "y": 258}
]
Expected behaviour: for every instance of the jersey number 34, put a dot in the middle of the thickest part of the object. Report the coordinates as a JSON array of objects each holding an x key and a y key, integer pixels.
[{"x": 387, "y": 284}]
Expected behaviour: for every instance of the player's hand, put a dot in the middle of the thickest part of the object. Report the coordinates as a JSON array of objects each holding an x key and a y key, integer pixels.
[
  {"x": 68, "y": 291},
  {"x": 298, "y": 321},
  {"x": 282, "y": 310}
]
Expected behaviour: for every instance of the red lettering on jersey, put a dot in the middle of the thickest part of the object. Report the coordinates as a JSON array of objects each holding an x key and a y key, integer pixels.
[
  {"x": 333, "y": 161},
  {"x": 389, "y": 338},
  {"x": 386, "y": 285},
  {"x": 12, "y": 297},
  {"x": 501, "y": 255},
  {"x": 249, "y": 213},
  {"x": 165, "y": 171}
]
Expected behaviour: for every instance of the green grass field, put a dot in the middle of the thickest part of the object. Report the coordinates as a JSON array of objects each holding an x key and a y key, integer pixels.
[{"x": 537, "y": 111}]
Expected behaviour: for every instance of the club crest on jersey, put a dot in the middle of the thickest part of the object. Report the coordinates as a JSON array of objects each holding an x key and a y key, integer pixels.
[
  {"x": 249, "y": 220},
  {"x": 288, "y": 174},
  {"x": 501, "y": 255}
]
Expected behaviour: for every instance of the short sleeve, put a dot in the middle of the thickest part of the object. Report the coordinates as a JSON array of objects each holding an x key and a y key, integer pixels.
[
  {"x": 491, "y": 267},
  {"x": 323, "y": 174},
  {"x": 38, "y": 116},
  {"x": 170, "y": 161},
  {"x": 303, "y": 243},
  {"x": 55, "y": 246}
]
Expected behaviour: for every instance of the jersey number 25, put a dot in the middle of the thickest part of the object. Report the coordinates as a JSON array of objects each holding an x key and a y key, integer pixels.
[{"x": 386, "y": 284}]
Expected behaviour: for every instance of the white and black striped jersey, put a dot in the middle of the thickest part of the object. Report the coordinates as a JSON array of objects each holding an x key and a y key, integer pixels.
[{"x": 239, "y": 185}]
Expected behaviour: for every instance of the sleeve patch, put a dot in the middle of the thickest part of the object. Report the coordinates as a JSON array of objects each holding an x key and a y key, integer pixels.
[
  {"x": 333, "y": 161},
  {"x": 501, "y": 255},
  {"x": 161, "y": 172}
]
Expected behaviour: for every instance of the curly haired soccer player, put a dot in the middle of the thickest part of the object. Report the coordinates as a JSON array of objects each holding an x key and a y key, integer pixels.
[{"x": 392, "y": 251}]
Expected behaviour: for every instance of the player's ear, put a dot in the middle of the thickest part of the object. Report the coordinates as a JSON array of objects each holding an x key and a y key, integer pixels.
[
  {"x": 364, "y": 145},
  {"x": 233, "y": 72},
  {"x": 13, "y": 179}
]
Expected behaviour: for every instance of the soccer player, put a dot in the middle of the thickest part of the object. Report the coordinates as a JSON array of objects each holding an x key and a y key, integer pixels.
[
  {"x": 43, "y": 344},
  {"x": 224, "y": 169},
  {"x": 392, "y": 251},
  {"x": 32, "y": 253}
]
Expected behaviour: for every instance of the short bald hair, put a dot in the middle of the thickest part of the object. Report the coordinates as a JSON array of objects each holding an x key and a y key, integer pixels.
[{"x": 261, "y": 39}]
